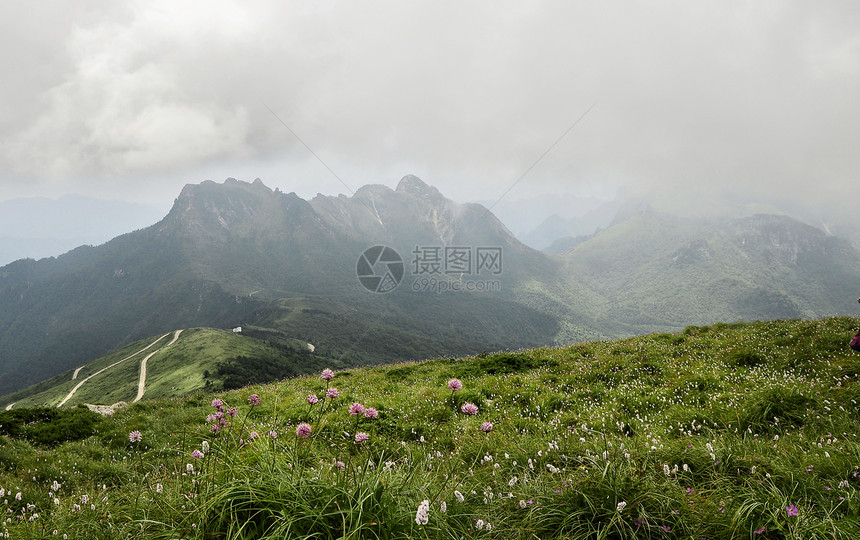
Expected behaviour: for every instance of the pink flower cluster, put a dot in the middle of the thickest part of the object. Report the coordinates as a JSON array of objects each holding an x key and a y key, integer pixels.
[
  {"x": 254, "y": 400},
  {"x": 358, "y": 409},
  {"x": 361, "y": 437},
  {"x": 218, "y": 419},
  {"x": 303, "y": 430},
  {"x": 135, "y": 436},
  {"x": 455, "y": 385},
  {"x": 327, "y": 375},
  {"x": 469, "y": 408}
]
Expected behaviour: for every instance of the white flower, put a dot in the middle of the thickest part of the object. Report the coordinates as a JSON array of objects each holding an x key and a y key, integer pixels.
[
  {"x": 621, "y": 506},
  {"x": 459, "y": 496},
  {"x": 422, "y": 516}
]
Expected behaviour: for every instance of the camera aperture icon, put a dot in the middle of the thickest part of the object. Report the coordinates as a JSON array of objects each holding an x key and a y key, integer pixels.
[{"x": 380, "y": 269}]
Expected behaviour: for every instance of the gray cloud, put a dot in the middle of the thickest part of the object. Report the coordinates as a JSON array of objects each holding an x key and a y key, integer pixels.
[{"x": 747, "y": 100}]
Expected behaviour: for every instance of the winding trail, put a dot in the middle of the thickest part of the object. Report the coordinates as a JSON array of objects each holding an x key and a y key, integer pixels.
[
  {"x": 77, "y": 386},
  {"x": 141, "y": 384}
]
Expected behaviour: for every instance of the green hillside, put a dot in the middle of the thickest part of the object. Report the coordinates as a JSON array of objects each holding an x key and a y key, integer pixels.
[
  {"x": 660, "y": 272},
  {"x": 202, "y": 359},
  {"x": 726, "y": 431}
]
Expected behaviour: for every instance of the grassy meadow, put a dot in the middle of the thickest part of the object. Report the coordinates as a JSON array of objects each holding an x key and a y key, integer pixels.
[{"x": 746, "y": 430}]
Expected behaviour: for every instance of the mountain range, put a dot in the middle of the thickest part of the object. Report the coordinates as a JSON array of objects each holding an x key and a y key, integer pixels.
[{"x": 452, "y": 281}]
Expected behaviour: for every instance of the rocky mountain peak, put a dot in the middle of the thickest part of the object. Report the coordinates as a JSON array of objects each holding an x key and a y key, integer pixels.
[{"x": 415, "y": 186}]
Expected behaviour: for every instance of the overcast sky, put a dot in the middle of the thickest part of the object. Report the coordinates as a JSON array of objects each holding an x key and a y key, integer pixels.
[{"x": 132, "y": 100}]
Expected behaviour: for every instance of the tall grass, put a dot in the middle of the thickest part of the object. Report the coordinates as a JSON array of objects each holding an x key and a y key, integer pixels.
[{"x": 727, "y": 431}]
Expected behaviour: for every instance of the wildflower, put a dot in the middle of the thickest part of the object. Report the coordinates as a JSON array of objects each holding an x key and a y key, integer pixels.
[
  {"x": 217, "y": 403},
  {"x": 666, "y": 470},
  {"x": 759, "y": 531},
  {"x": 254, "y": 435},
  {"x": 254, "y": 400},
  {"x": 487, "y": 427},
  {"x": 313, "y": 399},
  {"x": 443, "y": 507},
  {"x": 791, "y": 510},
  {"x": 621, "y": 506},
  {"x": 361, "y": 437},
  {"x": 189, "y": 468},
  {"x": 233, "y": 411},
  {"x": 422, "y": 516},
  {"x": 159, "y": 488},
  {"x": 135, "y": 436},
  {"x": 85, "y": 498},
  {"x": 197, "y": 454},
  {"x": 211, "y": 418},
  {"x": 455, "y": 385},
  {"x": 303, "y": 430},
  {"x": 327, "y": 375},
  {"x": 459, "y": 496},
  {"x": 332, "y": 393},
  {"x": 339, "y": 464},
  {"x": 469, "y": 408},
  {"x": 55, "y": 486},
  {"x": 273, "y": 434},
  {"x": 356, "y": 409},
  {"x": 370, "y": 412},
  {"x": 666, "y": 528}
]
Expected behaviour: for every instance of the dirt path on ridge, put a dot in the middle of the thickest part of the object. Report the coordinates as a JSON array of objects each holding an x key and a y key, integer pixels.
[
  {"x": 77, "y": 386},
  {"x": 141, "y": 384}
]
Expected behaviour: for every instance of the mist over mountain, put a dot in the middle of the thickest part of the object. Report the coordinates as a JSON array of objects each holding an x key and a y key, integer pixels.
[
  {"x": 41, "y": 227},
  {"x": 453, "y": 280}
]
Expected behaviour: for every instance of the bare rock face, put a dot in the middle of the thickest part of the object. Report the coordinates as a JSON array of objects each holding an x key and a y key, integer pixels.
[{"x": 107, "y": 410}]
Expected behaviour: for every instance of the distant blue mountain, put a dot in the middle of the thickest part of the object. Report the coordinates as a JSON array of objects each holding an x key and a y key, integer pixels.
[{"x": 39, "y": 227}]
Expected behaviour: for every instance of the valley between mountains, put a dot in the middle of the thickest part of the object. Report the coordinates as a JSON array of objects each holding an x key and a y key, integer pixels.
[{"x": 287, "y": 271}]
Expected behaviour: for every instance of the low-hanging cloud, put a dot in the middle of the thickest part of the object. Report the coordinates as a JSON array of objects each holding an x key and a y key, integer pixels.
[{"x": 708, "y": 99}]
